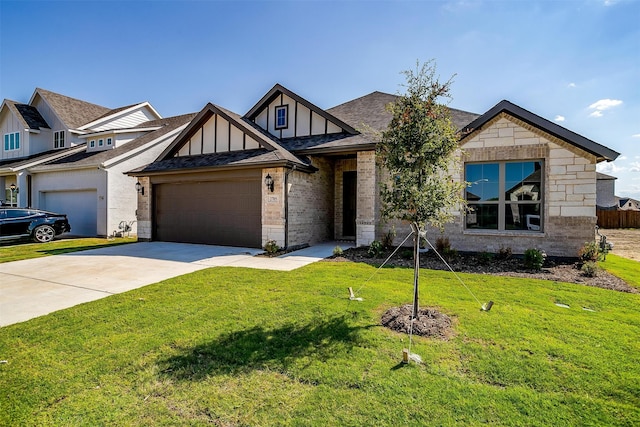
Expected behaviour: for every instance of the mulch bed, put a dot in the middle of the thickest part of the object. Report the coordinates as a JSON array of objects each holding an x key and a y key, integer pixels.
[{"x": 554, "y": 269}]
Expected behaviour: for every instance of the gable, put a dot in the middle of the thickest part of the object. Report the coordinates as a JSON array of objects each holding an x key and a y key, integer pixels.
[
  {"x": 213, "y": 131},
  {"x": 302, "y": 117},
  {"x": 123, "y": 118},
  {"x": 70, "y": 113}
]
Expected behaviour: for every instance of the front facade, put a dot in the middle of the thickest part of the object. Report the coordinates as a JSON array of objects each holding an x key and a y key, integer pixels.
[{"x": 293, "y": 173}]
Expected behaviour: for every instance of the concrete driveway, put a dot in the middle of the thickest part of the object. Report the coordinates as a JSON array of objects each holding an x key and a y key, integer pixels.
[{"x": 35, "y": 287}]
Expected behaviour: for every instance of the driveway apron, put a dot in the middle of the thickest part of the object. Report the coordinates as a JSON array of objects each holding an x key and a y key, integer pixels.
[{"x": 35, "y": 287}]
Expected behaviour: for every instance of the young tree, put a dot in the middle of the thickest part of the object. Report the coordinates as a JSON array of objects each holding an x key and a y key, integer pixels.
[{"x": 418, "y": 150}]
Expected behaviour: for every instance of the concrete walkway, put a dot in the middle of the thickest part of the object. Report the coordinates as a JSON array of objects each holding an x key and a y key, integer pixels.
[{"x": 35, "y": 287}]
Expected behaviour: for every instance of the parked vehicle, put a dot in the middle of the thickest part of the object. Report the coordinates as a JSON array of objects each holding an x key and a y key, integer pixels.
[{"x": 41, "y": 226}]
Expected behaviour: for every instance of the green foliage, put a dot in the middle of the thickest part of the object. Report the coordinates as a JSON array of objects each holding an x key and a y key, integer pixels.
[
  {"x": 387, "y": 239},
  {"x": 242, "y": 347},
  {"x": 534, "y": 259},
  {"x": 375, "y": 249},
  {"x": 486, "y": 258},
  {"x": 626, "y": 269},
  {"x": 590, "y": 251},
  {"x": 443, "y": 244},
  {"x": 504, "y": 253},
  {"x": 271, "y": 247},
  {"x": 418, "y": 150},
  {"x": 590, "y": 269},
  {"x": 406, "y": 254},
  {"x": 337, "y": 251}
]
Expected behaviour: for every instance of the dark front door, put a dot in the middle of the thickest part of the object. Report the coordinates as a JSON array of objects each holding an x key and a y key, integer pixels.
[{"x": 349, "y": 191}]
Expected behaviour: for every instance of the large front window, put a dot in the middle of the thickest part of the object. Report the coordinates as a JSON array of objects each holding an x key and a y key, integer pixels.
[{"x": 504, "y": 196}]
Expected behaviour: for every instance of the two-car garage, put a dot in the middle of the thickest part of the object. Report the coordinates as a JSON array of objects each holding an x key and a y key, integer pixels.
[{"x": 223, "y": 212}]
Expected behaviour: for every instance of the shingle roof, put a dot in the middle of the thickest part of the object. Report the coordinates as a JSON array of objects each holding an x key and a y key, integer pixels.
[
  {"x": 245, "y": 158},
  {"x": 85, "y": 158},
  {"x": 371, "y": 111},
  {"x": 28, "y": 115},
  {"x": 73, "y": 112},
  {"x": 600, "y": 151},
  {"x": 338, "y": 142},
  {"x": 16, "y": 164}
]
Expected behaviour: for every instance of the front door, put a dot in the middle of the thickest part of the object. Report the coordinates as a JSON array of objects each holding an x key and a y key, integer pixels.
[{"x": 349, "y": 192}]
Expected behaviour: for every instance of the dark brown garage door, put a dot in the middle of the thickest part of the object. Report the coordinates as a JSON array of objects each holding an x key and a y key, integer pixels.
[{"x": 217, "y": 213}]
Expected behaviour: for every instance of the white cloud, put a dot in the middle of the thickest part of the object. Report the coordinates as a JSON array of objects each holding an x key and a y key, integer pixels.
[
  {"x": 635, "y": 167},
  {"x": 571, "y": 84},
  {"x": 596, "y": 114},
  {"x": 609, "y": 168},
  {"x": 559, "y": 118},
  {"x": 637, "y": 135},
  {"x": 605, "y": 104},
  {"x": 622, "y": 158},
  {"x": 610, "y": 2}
]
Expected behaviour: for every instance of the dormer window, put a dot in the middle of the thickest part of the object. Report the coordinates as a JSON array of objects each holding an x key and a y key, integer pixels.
[
  {"x": 282, "y": 117},
  {"x": 92, "y": 143},
  {"x": 58, "y": 139},
  {"x": 100, "y": 142},
  {"x": 109, "y": 141}
]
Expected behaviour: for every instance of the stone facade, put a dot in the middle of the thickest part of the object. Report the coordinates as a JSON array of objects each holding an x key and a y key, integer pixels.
[
  {"x": 273, "y": 211},
  {"x": 143, "y": 213}
]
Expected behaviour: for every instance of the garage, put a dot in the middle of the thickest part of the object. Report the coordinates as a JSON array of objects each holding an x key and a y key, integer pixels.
[
  {"x": 81, "y": 208},
  {"x": 215, "y": 212}
]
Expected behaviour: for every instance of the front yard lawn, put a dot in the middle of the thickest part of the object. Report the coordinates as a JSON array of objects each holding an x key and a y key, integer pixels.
[
  {"x": 20, "y": 250},
  {"x": 232, "y": 346}
]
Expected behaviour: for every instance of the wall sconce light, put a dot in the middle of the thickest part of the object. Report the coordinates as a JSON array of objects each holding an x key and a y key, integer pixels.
[
  {"x": 268, "y": 181},
  {"x": 139, "y": 188},
  {"x": 13, "y": 188}
]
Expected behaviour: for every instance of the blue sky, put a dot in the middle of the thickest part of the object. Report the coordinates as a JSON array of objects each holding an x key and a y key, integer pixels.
[{"x": 575, "y": 61}]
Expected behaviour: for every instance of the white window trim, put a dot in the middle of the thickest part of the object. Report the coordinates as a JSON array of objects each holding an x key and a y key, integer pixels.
[
  {"x": 6, "y": 144},
  {"x": 59, "y": 142}
]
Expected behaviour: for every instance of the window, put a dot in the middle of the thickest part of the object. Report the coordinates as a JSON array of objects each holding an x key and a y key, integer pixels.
[
  {"x": 100, "y": 142},
  {"x": 281, "y": 117},
  {"x": 58, "y": 139},
  {"x": 92, "y": 143},
  {"x": 504, "y": 196},
  {"x": 12, "y": 141},
  {"x": 109, "y": 141}
]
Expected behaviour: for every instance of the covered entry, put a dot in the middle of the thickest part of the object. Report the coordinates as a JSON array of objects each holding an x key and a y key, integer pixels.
[{"x": 210, "y": 212}]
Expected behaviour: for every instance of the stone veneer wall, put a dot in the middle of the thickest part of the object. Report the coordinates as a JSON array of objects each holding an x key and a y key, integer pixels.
[
  {"x": 311, "y": 204},
  {"x": 366, "y": 202},
  {"x": 569, "y": 198},
  {"x": 273, "y": 216},
  {"x": 143, "y": 213},
  {"x": 341, "y": 165}
]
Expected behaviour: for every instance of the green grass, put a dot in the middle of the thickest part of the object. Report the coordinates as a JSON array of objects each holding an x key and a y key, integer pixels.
[
  {"x": 19, "y": 251},
  {"x": 626, "y": 269},
  {"x": 240, "y": 347}
]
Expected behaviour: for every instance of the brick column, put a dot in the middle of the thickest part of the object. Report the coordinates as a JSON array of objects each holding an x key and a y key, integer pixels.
[{"x": 366, "y": 202}]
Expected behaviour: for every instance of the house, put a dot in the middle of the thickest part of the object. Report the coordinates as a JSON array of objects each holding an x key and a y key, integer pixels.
[
  {"x": 66, "y": 155},
  {"x": 605, "y": 192},
  {"x": 628, "y": 204},
  {"x": 292, "y": 172}
]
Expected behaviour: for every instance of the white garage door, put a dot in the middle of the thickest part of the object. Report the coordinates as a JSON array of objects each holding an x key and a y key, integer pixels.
[{"x": 81, "y": 208}]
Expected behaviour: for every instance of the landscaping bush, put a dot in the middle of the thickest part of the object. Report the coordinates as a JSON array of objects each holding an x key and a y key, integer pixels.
[
  {"x": 590, "y": 269},
  {"x": 504, "y": 253},
  {"x": 387, "y": 239},
  {"x": 337, "y": 251},
  {"x": 271, "y": 247},
  {"x": 485, "y": 258},
  {"x": 589, "y": 252},
  {"x": 534, "y": 259},
  {"x": 375, "y": 249}
]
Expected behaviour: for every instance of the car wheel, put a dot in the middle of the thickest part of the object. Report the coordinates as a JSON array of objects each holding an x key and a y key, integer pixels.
[{"x": 44, "y": 234}]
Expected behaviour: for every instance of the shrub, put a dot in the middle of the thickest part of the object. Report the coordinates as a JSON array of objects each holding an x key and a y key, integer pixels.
[
  {"x": 449, "y": 254},
  {"x": 589, "y": 252},
  {"x": 337, "y": 251},
  {"x": 443, "y": 244},
  {"x": 590, "y": 269},
  {"x": 534, "y": 259},
  {"x": 271, "y": 247},
  {"x": 375, "y": 249},
  {"x": 485, "y": 258},
  {"x": 406, "y": 254},
  {"x": 387, "y": 239},
  {"x": 504, "y": 253}
]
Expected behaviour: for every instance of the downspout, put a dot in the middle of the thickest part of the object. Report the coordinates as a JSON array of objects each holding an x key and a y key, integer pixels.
[{"x": 286, "y": 206}]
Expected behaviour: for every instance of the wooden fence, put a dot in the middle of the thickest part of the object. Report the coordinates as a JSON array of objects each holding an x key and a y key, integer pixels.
[{"x": 618, "y": 219}]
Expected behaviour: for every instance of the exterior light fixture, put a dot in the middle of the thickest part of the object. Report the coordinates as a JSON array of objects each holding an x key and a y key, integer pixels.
[
  {"x": 14, "y": 190},
  {"x": 268, "y": 181},
  {"x": 139, "y": 188}
]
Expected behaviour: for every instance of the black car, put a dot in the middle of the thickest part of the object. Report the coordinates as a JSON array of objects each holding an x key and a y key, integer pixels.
[{"x": 41, "y": 226}]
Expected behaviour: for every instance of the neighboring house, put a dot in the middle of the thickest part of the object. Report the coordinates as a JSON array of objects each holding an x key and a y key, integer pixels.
[
  {"x": 66, "y": 155},
  {"x": 605, "y": 192},
  {"x": 628, "y": 204},
  {"x": 292, "y": 172}
]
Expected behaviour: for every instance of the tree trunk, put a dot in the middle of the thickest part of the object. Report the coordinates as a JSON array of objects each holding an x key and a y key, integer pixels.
[{"x": 416, "y": 268}]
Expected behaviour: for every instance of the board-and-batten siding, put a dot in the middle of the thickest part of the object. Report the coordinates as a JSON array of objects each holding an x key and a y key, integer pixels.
[
  {"x": 217, "y": 135},
  {"x": 55, "y": 124},
  {"x": 11, "y": 124},
  {"x": 301, "y": 121},
  {"x": 127, "y": 121}
]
